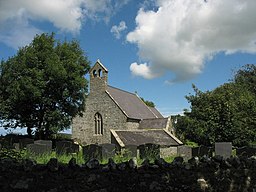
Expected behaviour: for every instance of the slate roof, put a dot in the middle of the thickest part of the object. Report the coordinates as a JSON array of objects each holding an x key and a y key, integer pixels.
[
  {"x": 159, "y": 123},
  {"x": 132, "y": 105},
  {"x": 139, "y": 137}
]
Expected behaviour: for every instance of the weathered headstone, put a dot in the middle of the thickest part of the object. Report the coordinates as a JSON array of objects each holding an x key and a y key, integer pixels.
[
  {"x": 185, "y": 152},
  {"x": 131, "y": 150},
  {"x": 75, "y": 148},
  {"x": 16, "y": 146},
  {"x": 149, "y": 151},
  {"x": 205, "y": 151},
  {"x": 246, "y": 152},
  {"x": 108, "y": 150},
  {"x": 25, "y": 141},
  {"x": 223, "y": 149},
  {"x": 92, "y": 152},
  {"x": 38, "y": 149},
  {"x": 48, "y": 143},
  {"x": 63, "y": 147}
]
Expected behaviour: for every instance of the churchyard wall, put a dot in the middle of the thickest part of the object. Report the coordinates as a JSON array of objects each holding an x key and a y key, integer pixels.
[
  {"x": 194, "y": 169},
  {"x": 204, "y": 174}
]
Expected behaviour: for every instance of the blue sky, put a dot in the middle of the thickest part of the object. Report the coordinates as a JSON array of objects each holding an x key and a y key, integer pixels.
[{"x": 156, "y": 48}]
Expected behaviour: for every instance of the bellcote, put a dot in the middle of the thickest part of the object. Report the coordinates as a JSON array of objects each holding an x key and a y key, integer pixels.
[{"x": 98, "y": 78}]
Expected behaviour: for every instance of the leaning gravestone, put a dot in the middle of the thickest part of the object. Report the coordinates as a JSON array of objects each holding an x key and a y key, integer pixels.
[
  {"x": 131, "y": 150},
  {"x": 108, "y": 150},
  {"x": 38, "y": 149},
  {"x": 149, "y": 151},
  {"x": 63, "y": 147},
  {"x": 92, "y": 152},
  {"x": 48, "y": 143},
  {"x": 223, "y": 149},
  {"x": 24, "y": 142}
]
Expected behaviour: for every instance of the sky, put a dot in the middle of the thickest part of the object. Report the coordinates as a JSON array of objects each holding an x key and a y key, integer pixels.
[{"x": 157, "y": 48}]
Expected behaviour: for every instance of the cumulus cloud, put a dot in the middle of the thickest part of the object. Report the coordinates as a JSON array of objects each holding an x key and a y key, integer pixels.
[
  {"x": 181, "y": 35},
  {"x": 142, "y": 70},
  {"x": 117, "y": 29},
  {"x": 17, "y": 17}
]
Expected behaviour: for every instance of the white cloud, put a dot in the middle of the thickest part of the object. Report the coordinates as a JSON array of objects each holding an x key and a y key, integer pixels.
[
  {"x": 142, "y": 70},
  {"x": 181, "y": 35},
  {"x": 117, "y": 29},
  {"x": 17, "y": 17}
]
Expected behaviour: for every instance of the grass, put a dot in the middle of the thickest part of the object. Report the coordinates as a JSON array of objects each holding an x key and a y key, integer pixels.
[
  {"x": 63, "y": 158},
  {"x": 122, "y": 156},
  {"x": 169, "y": 159}
]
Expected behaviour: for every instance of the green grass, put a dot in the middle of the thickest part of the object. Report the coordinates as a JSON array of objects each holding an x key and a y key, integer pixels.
[
  {"x": 122, "y": 156},
  {"x": 191, "y": 143},
  {"x": 169, "y": 159},
  {"x": 44, "y": 158}
]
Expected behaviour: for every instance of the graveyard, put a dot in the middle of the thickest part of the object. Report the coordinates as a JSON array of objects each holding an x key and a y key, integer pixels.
[{"x": 217, "y": 168}]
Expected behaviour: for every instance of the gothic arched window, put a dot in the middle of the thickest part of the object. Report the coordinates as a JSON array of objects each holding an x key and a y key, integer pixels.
[{"x": 98, "y": 124}]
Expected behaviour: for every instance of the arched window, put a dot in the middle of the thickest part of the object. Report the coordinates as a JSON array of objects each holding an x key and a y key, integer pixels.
[{"x": 98, "y": 124}]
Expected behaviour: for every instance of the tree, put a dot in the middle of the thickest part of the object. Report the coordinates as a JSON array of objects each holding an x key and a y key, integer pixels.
[
  {"x": 148, "y": 103},
  {"x": 228, "y": 113},
  {"x": 43, "y": 85}
]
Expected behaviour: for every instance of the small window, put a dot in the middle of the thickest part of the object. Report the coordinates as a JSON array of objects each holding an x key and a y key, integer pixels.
[{"x": 98, "y": 124}]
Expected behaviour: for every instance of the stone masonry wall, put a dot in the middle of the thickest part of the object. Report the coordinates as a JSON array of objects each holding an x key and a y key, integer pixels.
[
  {"x": 113, "y": 118},
  {"x": 198, "y": 175}
]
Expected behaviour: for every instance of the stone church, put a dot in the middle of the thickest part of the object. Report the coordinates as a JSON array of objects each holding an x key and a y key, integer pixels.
[{"x": 116, "y": 116}]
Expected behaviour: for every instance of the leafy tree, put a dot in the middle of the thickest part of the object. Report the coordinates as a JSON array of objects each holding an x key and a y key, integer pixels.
[
  {"x": 148, "y": 103},
  {"x": 43, "y": 85},
  {"x": 228, "y": 113}
]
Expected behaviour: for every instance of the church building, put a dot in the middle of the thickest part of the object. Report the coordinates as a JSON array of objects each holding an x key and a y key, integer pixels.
[{"x": 116, "y": 116}]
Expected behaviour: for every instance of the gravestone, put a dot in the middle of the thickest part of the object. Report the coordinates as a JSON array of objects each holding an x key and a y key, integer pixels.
[
  {"x": 64, "y": 147},
  {"x": 75, "y": 148},
  {"x": 24, "y": 142},
  {"x": 38, "y": 149},
  {"x": 16, "y": 146},
  {"x": 149, "y": 151},
  {"x": 48, "y": 143},
  {"x": 131, "y": 150},
  {"x": 92, "y": 152},
  {"x": 108, "y": 150},
  {"x": 223, "y": 149},
  {"x": 205, "y": 151},
  {"x": 185, "y": 152},
  {"x": 246, "y": 152}
]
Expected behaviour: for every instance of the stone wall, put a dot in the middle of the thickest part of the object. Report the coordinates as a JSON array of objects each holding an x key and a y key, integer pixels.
[
  {"x": 83, "y": 128},
  {"x": 207, "y": 174}
]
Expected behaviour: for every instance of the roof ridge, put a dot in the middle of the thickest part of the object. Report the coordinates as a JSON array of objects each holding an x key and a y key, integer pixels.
[{"x": 122, "y": 90}]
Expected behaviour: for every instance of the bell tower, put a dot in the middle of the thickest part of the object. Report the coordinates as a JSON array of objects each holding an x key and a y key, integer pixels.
[{"x": 98, "y": 78}]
